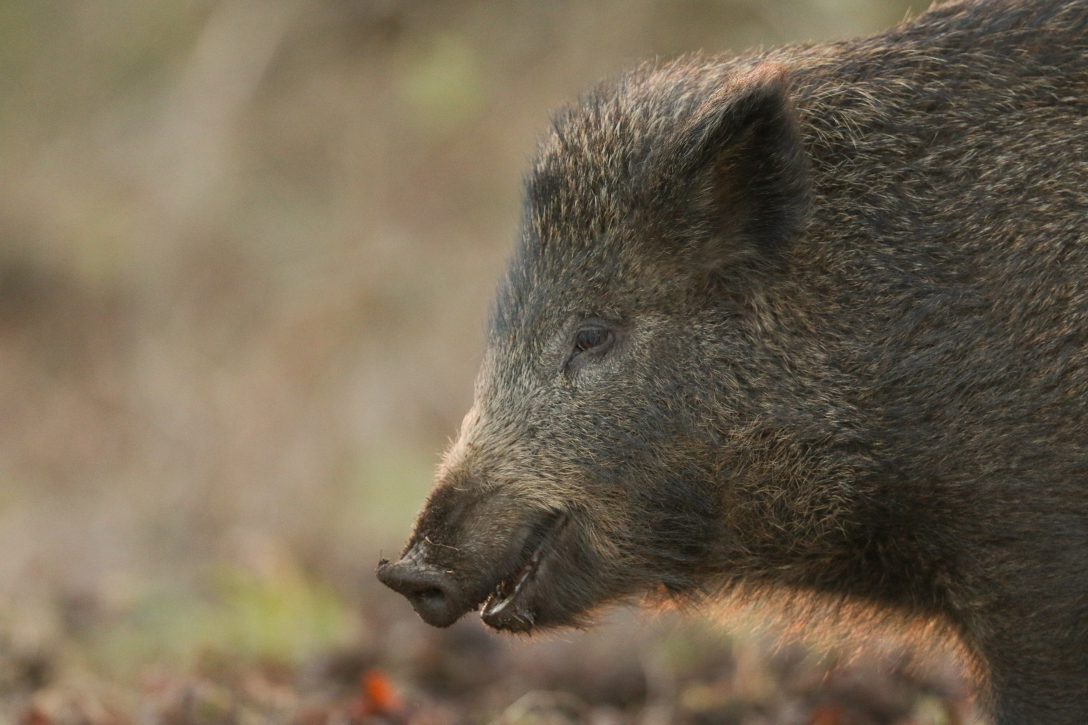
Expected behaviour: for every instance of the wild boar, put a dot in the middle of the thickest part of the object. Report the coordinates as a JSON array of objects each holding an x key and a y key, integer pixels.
[{"x": 814, "y": 319}]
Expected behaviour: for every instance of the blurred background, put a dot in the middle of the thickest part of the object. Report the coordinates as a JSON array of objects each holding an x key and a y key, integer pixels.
[{"x": 246, "y": 254}]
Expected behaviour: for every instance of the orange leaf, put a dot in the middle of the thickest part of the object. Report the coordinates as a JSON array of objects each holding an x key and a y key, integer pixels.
[
  {"x": 34, "y": 716},
  {"x": 826, "y": 715},
  {"x": 378, "y": 692}
]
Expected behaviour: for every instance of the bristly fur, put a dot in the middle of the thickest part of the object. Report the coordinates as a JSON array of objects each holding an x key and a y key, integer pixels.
[{"x": 811, "y": 319}]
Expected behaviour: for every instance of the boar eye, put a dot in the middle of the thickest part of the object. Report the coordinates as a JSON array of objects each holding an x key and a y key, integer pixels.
[{"x": 592, "y": 338}]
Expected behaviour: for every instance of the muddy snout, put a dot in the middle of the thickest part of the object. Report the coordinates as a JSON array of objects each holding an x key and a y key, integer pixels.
[{"x": 433, "y": 593}]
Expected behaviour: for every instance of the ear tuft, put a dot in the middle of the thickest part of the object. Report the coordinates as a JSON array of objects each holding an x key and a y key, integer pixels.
[{"x": 743, "y": 156}]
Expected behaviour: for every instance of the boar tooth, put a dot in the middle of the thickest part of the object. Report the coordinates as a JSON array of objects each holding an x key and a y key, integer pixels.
[
  {"x": 501, "y": 604},
  {"x": 499, "y": 607}
]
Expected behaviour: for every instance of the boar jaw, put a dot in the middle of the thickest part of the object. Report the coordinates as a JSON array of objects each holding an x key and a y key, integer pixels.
[
  {"x": 506, "y": 607},
  {"x": 447, "y": 570}
]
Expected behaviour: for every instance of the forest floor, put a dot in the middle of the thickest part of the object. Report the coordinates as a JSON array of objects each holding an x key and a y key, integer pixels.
[{"x": 637, "y": 668}]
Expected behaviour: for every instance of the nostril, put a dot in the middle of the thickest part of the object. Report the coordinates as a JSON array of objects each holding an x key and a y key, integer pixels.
[
  {"x": 421, "y": 590},
  {"x": 433, "y": 593}
]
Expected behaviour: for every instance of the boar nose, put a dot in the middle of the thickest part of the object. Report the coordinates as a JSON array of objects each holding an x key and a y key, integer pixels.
[{"x": 433, "y": 593}]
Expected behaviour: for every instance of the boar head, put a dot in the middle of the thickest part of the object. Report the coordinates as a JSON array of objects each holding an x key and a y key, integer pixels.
[{"x": 597, "y": 462}]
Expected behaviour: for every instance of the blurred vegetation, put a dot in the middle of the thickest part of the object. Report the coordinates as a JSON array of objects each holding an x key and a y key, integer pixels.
[{"x": 246, "y": 251}]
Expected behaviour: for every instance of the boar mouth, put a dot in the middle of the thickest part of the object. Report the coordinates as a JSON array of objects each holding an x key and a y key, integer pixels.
[{"x": 507, "y": 606}]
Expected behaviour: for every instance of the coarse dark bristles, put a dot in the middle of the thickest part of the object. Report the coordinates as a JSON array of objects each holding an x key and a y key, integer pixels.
[{"x": 811, "y": 321}]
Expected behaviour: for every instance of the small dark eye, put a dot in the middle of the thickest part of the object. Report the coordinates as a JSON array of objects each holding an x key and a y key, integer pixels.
[{"x": 592, "y": 338}]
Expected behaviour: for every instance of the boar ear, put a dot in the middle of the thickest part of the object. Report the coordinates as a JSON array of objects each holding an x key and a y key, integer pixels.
[{"x": 748, "y": 171}]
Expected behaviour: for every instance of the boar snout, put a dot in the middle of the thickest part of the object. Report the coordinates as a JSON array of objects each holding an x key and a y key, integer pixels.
[{"x": 433, "y": 593}]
